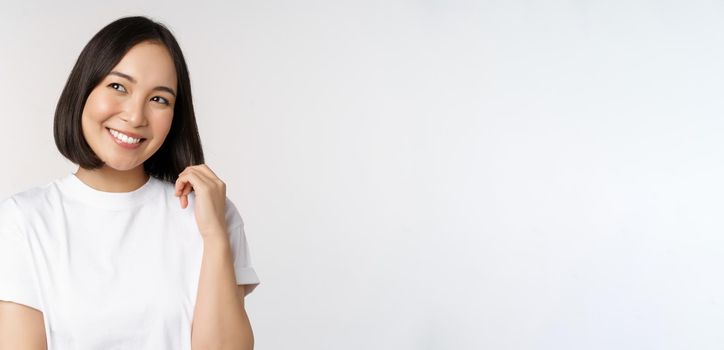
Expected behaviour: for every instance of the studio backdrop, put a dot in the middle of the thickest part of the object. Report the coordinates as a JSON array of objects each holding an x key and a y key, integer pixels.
[{"x": 419, "y": 175}]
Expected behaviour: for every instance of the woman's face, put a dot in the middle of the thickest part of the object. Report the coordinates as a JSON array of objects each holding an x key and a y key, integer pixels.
[{"x": 135, "y": 99}]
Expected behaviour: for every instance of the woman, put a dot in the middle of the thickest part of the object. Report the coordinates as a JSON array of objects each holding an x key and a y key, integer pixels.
[{"x": 139, "y": 248}]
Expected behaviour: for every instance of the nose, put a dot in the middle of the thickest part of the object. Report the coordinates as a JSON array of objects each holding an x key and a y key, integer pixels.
[{"x": 135, "y": 114}]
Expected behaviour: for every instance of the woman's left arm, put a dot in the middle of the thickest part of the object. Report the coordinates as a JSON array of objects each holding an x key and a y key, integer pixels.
[{"x": 220, "y": 320}]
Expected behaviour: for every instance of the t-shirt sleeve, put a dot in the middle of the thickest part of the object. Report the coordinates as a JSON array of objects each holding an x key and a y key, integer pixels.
[
  {"x": 17, "y": 276},
  {"x": 245, "y": 273}
]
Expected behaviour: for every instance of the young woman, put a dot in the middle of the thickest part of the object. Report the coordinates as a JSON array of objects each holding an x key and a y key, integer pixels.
[{"x": 139, "y": 248}]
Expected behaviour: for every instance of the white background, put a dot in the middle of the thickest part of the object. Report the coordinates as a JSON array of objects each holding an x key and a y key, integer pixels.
[{"x": 438, "y": 174}]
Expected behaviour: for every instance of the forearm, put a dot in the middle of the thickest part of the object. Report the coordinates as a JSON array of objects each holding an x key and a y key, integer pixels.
[{"x": 220, "y": 320}]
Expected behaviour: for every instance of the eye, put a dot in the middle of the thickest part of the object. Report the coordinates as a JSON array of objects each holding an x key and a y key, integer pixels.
[
  {"x": 115, "y": 86},
  {"x": 162, "y": 100}
]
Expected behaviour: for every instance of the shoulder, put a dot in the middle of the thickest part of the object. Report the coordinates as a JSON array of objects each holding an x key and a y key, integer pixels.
[
  {"x": 34, "y": 205},
  {"x": 232, "y": 215},
  {"x": 165, "y": 187},
  {"x": 9, "y": 214},
  {"x": 33, "y": 198},
  {"x": 16, "y": 208}
]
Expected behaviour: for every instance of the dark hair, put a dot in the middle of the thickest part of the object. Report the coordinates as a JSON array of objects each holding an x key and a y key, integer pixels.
[{"x": 182, "y": 146}]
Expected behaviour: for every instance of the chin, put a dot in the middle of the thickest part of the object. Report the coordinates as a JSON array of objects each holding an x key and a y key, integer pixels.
[{"x": 121, "y": 167}]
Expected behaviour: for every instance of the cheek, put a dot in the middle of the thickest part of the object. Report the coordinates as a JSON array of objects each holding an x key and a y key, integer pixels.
[
  {"x": 162, "y": 125},
  {"x": 167, "y": 120},
  {"x": 98, "y": 108}
]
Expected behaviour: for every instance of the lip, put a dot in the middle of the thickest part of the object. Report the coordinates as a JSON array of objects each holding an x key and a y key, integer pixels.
[
  {"x": 123, "y": 144},
  {"x": 135, "y": 136}
]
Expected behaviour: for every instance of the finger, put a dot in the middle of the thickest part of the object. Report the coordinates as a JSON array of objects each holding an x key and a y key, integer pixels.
[
  {"x": 184, "y": 201},
  {"x": 202, "y": 172},
  {"x": 179, "y": 185},
  {"x": 210, "y": 175},
  {"x": 185, "y": 194},
  {"x": 187, "y": 189},
  {"x": 205, "y": 173},
  {"x": 180, "y": 181},
  {"x": 198, "y": 179},
  {"x": 206, "y": 170}
]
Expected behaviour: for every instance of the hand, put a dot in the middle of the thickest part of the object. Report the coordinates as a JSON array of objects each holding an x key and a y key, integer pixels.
[{"x": 210, "y": 200}]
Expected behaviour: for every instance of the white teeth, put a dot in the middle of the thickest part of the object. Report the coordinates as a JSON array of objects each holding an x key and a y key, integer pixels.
[{"x": 124, "y": 138}]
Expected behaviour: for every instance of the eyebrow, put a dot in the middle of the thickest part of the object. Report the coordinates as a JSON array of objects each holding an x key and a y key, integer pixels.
[{"x": 130, "y": 78}]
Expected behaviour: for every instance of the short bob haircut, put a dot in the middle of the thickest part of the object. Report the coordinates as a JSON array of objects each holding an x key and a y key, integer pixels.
[{"x": 182, "y": 146}]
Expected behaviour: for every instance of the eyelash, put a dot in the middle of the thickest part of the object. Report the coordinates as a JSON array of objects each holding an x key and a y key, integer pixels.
[{"x": 112, "y": 84}]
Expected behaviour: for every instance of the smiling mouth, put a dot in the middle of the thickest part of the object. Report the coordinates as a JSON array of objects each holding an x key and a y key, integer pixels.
[{"x": 125, "y": 139}]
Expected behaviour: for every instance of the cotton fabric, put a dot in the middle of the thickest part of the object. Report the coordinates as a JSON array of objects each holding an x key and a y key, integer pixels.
[{"x": 109, "y": 270}]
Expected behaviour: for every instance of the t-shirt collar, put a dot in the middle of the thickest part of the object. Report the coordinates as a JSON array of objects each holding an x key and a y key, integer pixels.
[{"x": 78, "y": 189}]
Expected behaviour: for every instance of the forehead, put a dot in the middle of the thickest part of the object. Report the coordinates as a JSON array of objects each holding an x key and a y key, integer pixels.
[{"x": 149, "y": 63}]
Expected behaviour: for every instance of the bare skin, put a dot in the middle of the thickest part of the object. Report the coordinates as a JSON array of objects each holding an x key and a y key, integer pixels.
[
  {"x": 129, "y": 100},
  {"x": 21, "y": 327},
  {"x": 132, "y": 102},
  {"x": 121, "y": 104}
]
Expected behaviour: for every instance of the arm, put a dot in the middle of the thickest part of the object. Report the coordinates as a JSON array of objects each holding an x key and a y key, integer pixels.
[
  {"x": 220, "y": 320},
  {"x": 21, "y": 327}
]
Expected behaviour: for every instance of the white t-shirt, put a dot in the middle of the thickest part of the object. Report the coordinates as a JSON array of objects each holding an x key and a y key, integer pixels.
[{"x": 109, "y": 270}]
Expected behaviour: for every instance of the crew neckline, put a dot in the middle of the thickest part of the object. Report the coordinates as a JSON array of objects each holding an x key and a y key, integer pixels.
[{"x": 73, "y": 186}]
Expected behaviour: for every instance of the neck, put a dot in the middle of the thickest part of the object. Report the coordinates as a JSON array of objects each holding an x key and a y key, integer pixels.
[{"x": 107, "y": 179}]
